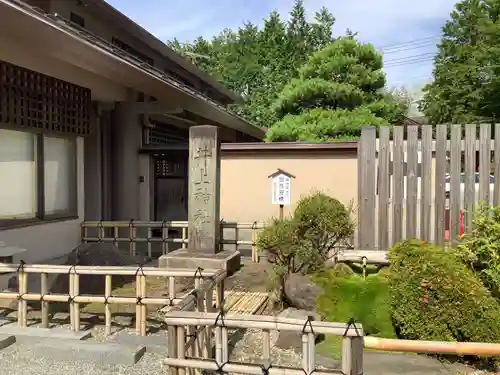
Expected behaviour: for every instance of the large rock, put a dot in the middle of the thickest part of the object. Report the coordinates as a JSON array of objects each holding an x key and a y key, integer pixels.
[
  {"x": 301, "y": 292},
  {"x": 94, "y": 254},
  {"x": 293, "y": 339}
]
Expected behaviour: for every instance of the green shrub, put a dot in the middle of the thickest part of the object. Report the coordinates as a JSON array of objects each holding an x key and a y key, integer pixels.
[
  {"x": 364, "y": 300},
  {"x": 480, "y": 248},
  {"x": 300, "y": 244},
  {"x": 435, "y": 297},
  {"x": 323, "y": 221}
]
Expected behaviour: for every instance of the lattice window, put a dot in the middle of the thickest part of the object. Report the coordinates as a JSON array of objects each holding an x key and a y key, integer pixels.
[
  {"x": 34, "y": 100},
  {"x": 168, "y": 167},
  {"x": 162, "y": 136}
]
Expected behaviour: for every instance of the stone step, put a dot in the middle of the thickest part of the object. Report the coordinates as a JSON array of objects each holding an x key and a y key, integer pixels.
[
  {"x": 155, "y": 343},
  {"x": 33, "y": 334},
  {"x": 6, "y": 341},
  {"x": 89, "y": 351}
]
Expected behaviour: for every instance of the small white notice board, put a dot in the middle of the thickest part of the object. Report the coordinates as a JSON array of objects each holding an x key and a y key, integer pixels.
[{"x": 281, "y": 187}]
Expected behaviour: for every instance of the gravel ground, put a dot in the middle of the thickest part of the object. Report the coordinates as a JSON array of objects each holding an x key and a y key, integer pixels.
[{"x": 19, "y": 360}]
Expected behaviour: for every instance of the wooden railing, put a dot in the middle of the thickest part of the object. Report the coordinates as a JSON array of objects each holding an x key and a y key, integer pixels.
[
  {"x": 74, "y": 298},
  {"x": 180, "y": 361},
  {"x": 160, "y": 232}
]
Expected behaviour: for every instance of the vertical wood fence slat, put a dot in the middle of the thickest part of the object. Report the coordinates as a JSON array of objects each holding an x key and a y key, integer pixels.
[
  {"x": 366, "y": 200},
  {"x": 107, "y": 307},
  {"x": 44, "y": 289},
  {"x": 181, "y": 353},
  {"x": 484, "y": 162},
  {"x": 172, "y": 347},
  {"x": 397, "y": 184},
  {"x": 470, "y": 169},
  {"x": 411, "y": 181},
  {"x": 426, "y": 184},
  {"x": 496, "y": 190},
  {"x": 454, "y": 184},
  {"x": 76, "y": 290},
  {"x": 440, "y": 198},
  {"x": 383, "y": 188}
]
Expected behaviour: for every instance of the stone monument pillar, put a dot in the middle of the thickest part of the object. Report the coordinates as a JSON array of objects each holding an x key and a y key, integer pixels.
[{"x": 204, "y": 249}]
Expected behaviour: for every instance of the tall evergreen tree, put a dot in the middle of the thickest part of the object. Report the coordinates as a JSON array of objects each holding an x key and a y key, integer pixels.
[
  {"x": 339, "y": 89},
  {"x": 466, "y": 86},
  {"x": 257, "y": 63}
]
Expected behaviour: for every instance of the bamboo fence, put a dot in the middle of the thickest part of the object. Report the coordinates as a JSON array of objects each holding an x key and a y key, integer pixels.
[
  {"x": 433, "y": 347},
  {"x": 181, "y": 361},
  {"x": 74, "y": 299},
  {"x": 112, "y": 231}
]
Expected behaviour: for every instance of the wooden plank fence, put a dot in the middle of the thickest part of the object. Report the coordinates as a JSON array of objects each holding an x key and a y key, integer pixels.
[{"x": 425, "y": 183}]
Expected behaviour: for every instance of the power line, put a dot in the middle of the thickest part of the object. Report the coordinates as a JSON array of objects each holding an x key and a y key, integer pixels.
[
  {"x": 409, "y": 62},
  {"x": 403, "y": 59},
  {"x": 416, "y": 46},
  {"x": 407, "y": 43}
]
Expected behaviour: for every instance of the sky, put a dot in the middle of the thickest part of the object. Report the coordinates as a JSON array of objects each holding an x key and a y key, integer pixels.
[{"x": 406, "y": 31}]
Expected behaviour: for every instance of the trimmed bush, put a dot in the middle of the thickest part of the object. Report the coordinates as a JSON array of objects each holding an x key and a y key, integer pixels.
[
  {"x": 323, "y": 222},
  {"x": 480, "y": 248},
  {"x": 301, "y": 244},
  {"x": 364, "y": 300},
  {"x": 434, "y": 296}
]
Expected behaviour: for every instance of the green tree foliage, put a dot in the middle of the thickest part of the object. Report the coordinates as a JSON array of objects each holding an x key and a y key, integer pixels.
[
  {"x": 480, "y": 248},
  {"x": 257, "y": 63},
  {"x": 434, "y": 296},
  {"x": 339, "y": 89},
  {"x": 301, "y": 243},
  {"x": 466, "y": 85}
]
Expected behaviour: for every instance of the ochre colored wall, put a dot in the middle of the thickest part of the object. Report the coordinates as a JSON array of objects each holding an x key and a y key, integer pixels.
[{"x": 246, "y": 188}]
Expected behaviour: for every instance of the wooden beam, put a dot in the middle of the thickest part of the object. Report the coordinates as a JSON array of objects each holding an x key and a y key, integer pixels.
[{"x": 152, "y": 108}]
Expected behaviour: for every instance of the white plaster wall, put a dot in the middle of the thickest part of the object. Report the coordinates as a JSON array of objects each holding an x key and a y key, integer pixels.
[{"x": 46, "y": 242}]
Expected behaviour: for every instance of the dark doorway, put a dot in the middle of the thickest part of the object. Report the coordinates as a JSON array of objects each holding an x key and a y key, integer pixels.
[{"x": 171, "y": 188}]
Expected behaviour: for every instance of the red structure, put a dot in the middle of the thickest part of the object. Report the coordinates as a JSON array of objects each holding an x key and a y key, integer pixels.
[{"x": 447, "y": 221}]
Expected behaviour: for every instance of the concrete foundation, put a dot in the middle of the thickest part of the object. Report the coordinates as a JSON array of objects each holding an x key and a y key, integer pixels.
[
  {"x": 155, "y": 343},
  {"x": 75, "y": 350},
  {"x": 185, "y": 258},
  {"x": 33, "y": 334}
]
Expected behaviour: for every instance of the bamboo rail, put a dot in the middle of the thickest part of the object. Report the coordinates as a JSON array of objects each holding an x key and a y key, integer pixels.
[
  {"x": 201, "y": 298},
  {"x": 179, "y": 360},
  {"x": 74, "y": 299},
  {"x": 433, "y": 347},
  {"x": 133, "y": 238}
]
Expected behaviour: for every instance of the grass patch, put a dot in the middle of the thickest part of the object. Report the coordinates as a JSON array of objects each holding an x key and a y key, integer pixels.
[
  {"x": 364, "y": 300},
  {"x": 155, "y": 287}
]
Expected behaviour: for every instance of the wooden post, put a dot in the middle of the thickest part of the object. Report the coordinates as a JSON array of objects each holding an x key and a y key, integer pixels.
[
  {"x": 219, "y": 295},
  {"x": 172, "y": 347},
  {"x": 200, "y": 340},
  {"x": 143, "y": 306},
  {"x": 352, "y": 355},
  {"x": 209, "y": 295},
  {"x": 138, "y": 282},
  {"x": 44, "y": 306},
  {"x": 164, "y": 240},
  {"x": 24, "y": 302},
  {"x": 184, "y": 235},
  {"x": 71, "y": 304},
  {"x": 255, "y": 255},
  {"x": 236, "y": 237},
  {"x": 282, "y": 207},
  {"x": 266, "y": 345},
  {"x": 107, "y": 307},
  {"x": 181, "y": 344},
  {"x": 116, "y": 234},
  {"x": 76, "y": 291}
]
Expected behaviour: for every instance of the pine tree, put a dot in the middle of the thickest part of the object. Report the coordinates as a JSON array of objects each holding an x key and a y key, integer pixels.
[
  {"x": 466, "y": 86},
  {"x": 339, "y": 90}
]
